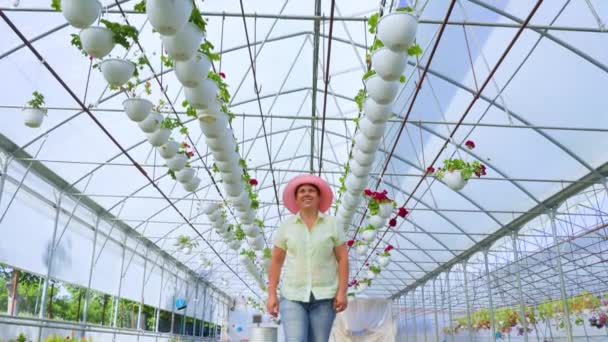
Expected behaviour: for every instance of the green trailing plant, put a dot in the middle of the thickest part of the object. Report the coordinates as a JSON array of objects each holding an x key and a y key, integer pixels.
[
  {"x": 360, "y": 98},
  {"x": 56, "y": 5},
  {"x": 372, "y": 23},
  {"x": 467, "y": 169},
  {"x": 123, "y": 35},
  {"x": 407, "y": 9},
  {"x": 21, "y": 338},
  {"x": 223, "y": 95},
  {"x": 190, "y": 111},
  {"x": 167, "y": 61},
  {"x": 239, "y": 234},
  {"x": 414, "y": 50},
  {"x": 249, "y": 253},
  {"x": 170, "y": 123},
  {"x": 249, "y": 184},
  {"x": 184, "y": 241},
  {"x": 37, "y": 101},
  {"x": 140, "y": 7},
  {"x": 366, "y": 228},
  {"x": 267, "y": 253},
  {"x": 375, "y": 269},
  {"x": 77, "y": 43},
  {"x": 369, "y": 74},
  {"x": 207, "y": 49},
  {"x": 197, "y": 19},
  {"x": 375, "y": 199}
]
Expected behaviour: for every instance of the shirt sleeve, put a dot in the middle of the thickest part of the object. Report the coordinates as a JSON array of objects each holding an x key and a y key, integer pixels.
[
  {"x": 340, "y": 236},
  {"x": 280, "y": 239}
]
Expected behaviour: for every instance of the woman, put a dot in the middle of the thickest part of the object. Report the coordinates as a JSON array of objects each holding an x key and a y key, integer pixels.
[{"x": 315, "y": 276}]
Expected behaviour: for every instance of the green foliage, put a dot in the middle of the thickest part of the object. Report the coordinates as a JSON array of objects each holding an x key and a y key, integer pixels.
[
  {"x": 267, "y": 253},
  {"x": 21, "y": 338},
  {"x": 414, "y": 50},
  {"x": 167, "y": 61},
  {"x": 375, "y": 269},
  {"x": 467, "y": 169},
  {"x": 37, "y": 101},
  {"x": 360, "y": 98},
  {"x": 207, "y": 48},
  {"x": 190, "y": 111},
  {"x": 249, "y": 253},
  {"x": 197, "y": 19},
  {"x": 372, "y": 22},
  {"x": 239, "y": 234},
  {"x": 366, "y": 228},
  {"x": 376, "y": 45},
  {"x": 407, "y": 9},
  {"x": 402, "y": 79},
  {"x": 121, "y": 34},
  {"x": 56, "y": 5},
  {"x": 369, "y": 74},
  {"x": 170, "y": 123},
  {"x": 140, "y": 7},
  {"x": 77, "y": 43},
  {"x": 223, "y": 94}
]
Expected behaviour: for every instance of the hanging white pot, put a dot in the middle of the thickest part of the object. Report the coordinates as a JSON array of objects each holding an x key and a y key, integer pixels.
[
  {"x": 257, "y": 243},
  {"x": 137, "y": 109},
  {"x": 397, "y": 30},
  {"x": 201, "y": 96},
  {"x": 117, "y": 72},
  {"x": 377, "y": 221},
  {"x": 226, "y": 156},
  {"x": 351, "y": 201},
  {"x": 33, "y": 117},
  {"x": 80, "y": 13},
  {"x": 389, "y": 64},
  {"x": 169, "y": 150},
  {"x": 178, "y": 162},
  {"x": 97, "y": 41},
  {"x": 225, "y": 167},
  {"x": 159, "y": 137},
  {"x": 368, "y": 235},
  {"x": 244, "y": 259},
  {"x": 214, "y": 216},
  {"x": 241, "y": 201},
  {"x": 366, "y": 144},
  {"x": 182, "y": 45},
  {"x": 251, "y": 230},
  {"x": 376, "y": 112},
  {"x": 223, "y": 141},
  {"x": 266, "y": 264},
  {"x": 168, "y": 16},
  {"x": 362, "y": 250},
  {"x": 355, "y": 184},
  {"x": 214, "y": 108},
  {"x": 151, "y": 123},
  {"x": 362, "y": 287},
  {"x": 383, "y": 261},
  {"x": 359, "y": 170},
  {"x": 234, "y": 176},
  {"x": 371, "y": 275},
  {"x": 211, "y": 208},
  {"x": 190, "y": 73},
  {"x": 221, "y": 229},
  {"x": 374, "y": 131},
  {"x": 185, "y": 175},
  {"x": 454, "y": 180},
  {"x": 385, "y": 209},
  {"x": 234, "y": 245},
  {"x": 212, "y": 126},
  {"x": 233, "y": 190},
  {"x": 383, "y": 92},
  {"x": 247, "y": 221},
  {"x": 364, "y": 159},
  {"x": 192, "y": 185},
  {"x": 247, "y": 215},
  {"x": 228, "y": 236}
]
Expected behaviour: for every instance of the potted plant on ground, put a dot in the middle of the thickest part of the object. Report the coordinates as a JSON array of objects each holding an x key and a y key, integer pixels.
[
  {"x": 455, "y": 172},
  {"x": 35, "y": 113}
]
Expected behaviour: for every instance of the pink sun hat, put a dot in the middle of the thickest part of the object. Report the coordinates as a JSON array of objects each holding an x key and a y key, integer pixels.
[{"x": 289, "y": 193}]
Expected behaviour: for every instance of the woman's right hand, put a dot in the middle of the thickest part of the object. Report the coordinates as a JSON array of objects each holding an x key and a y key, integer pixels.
[{"x": 272, "y": 305}]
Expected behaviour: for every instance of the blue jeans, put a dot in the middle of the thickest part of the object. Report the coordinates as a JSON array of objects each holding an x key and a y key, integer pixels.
[{"x": 307, "y": 322}]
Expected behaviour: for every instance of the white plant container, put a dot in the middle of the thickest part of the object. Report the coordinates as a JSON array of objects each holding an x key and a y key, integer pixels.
[
  {"x": 371, "y": 275},
  {"x": 222, "y": 142},
  {"x": 178, "y": 162},
  {"x": 366, "y": 144},
  {"x": 234, "y": 176},
  {"x": 385, "y": 210},
  {"x": 97, "y": 41},
  {"x": 362, "y": 250},
  {"x": 257, "y": 243},
  {"x": 33, "y": 117},
  {"x": 152, "y": 123},
  {"x": 212, "y": 126},
  {"x": 355, "y": 184},
  {"x": 383, "y": 92},
  {"x": 168, "y": 16},
  {"x": 358, "y": 169},
  {"x": 246, "y": 215},
  {"x": 373, "y": 131},
  {"x": 201, "y": 96},
  {"x": 190, "y": 73},
  {"x": 214, "y": 108},
  {"x": 159, "y": 137},
  {"x": 169, "y": 150},
  {"x": 225, "y": 167},
  {"x": 362, "y": 287},
  {"x": 368, "y": 235},
  {"x": 210, "y": 207},
  {"x": 81, "y": 13},
  {"x": 234, "y": 245},
  {"x": 234, "y": 190},
  {"x": 192, "y": 185},
  {"x": 137, "y": 109},
  {"x": 185, "y": 175},
  {"x": 251, "y": 230},
  {"x": 117, "y": 72},
  {"x": 226, "y": 156},
  {"x": 182, "y": 45},
  {"x": 383, "y": 261},
  {"x": 221, "y": 228},
  {"x": 389, "y": 64},
  {"x": 214, "y": 216},
  {"x": 377, "y": 221},
  {"x": 241, "y": 201},
  {"x": 364, "y": 159},
  {"x": 376, "y": 112},
  {"x": 244, "y": 259},
  {"x": 397, "y": 30},
  {"x": 454, "y": 180},
  {"x": 351, "y": 201}
]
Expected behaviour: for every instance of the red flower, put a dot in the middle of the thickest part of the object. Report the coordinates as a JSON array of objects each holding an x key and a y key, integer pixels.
[
  {"x": 368, "y": 192},
  {"x": 482, "y": 171},
  {"x": 402, "y": 212},
  {"x": 222, "y": 75},
  {"x": 367, "y": 264},
  {"x": 185, "y": 145},
  {"x": 388, "y": 248},
  {"x": 350, "y": 243},
  {"x": 392, "y": 222},
  {"x": 430, "y": 169},
  {"x": 253, "y": 181},
  {"x": 190, "y": 154},
  {"x": 469, "y": 144}
]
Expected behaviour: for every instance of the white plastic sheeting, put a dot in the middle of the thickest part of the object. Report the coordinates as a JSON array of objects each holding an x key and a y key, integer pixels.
[{"x": 365, "y": 320}]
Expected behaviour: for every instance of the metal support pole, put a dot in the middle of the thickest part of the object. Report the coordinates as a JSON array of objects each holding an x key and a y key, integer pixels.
[
  {"x": 47, "y": 279},
  {"x": 562, "y": 283},
  {"x": 407, "y": 331},
  {"x": 522, "y": 310},
  {"x": 4, "y": 161},
  {"x": 196, "y": 300},
  {"x": 160, "y": 297},
  {"x": 185, "y": 316},
  {"x": 143, "y": 286},
  {"x": 173, "y": 306},
  {"x": 451, "y": 325},
  {"x": 414, "y": 313},
  {"x": 489, "y": 289},
  {"x": 204, "y": 309},
  {"x": 466, "y": 298},
  {"x": 435, "y": 311},
  {"x": 423, "y": 313},
  {"x": 122, "y": 269},
  {"x": 91, "y": 268}
]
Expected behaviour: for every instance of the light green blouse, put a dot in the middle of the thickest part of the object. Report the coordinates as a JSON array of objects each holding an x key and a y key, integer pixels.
[{"x": 310, "y": 263}]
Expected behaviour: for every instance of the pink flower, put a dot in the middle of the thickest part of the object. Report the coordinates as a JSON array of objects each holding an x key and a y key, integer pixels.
[
  {"x": 469, "y": 144},
  {"x": 253, "y": 182},
  {"x": 368, "y": 192},
  {"x": 402, "y": 212},
  {"x": 350, "y": 243},
  {"x": 392, "y": 222},
  {"x": 388, "y": 248},
  {"x": 222, "y": 75},
  {"x": 430, "y": 169}
]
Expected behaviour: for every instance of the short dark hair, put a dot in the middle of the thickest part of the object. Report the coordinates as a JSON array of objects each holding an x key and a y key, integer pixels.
[{"x": 313, "y": 185}]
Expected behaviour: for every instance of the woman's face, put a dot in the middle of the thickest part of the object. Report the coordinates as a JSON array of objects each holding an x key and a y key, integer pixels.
[{"x": 307, "y": 197}]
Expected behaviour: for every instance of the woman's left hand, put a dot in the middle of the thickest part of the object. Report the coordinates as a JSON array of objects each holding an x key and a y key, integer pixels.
[{"x": 340, "y": 302}]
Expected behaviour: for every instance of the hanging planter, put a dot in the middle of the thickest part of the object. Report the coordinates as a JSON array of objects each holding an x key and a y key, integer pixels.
[
  {"x": 117, "y": 72},
  {"x": 376, "y": 112},
  {"x": 192, "y": 185},
  {"x": 137, "y": 109},
  {"x": 214, "y": 108},
  {"x": 366, "y": 144},
  {"x": 234, "y": 176},
  {"x": 169, "y": 150},
  {"x": 225, "y": 167},
  {"x": 168, "y": 16},
  {"x": 230, "y": 157},
  {"x": 377, "y": 221},
  {"x": 211, "y": 208},
  {"x": 385, "y": 209},
  {"x": 97, "y": 41},
  {"x": 368, "y": 234},
  {"x": 33, "y": 117},
  {"x": 234, "y": 245},
  {"x": 359, "y": 170},
  {"x": 234, "y": 190},
  {"x": 389, "y": 64},
  {"x": 152, "y": 123},
  {"x": 383, "y": 92},
  {"x": 244, "y": 259},
  {"x": 201, "y": 96},
  {"x": 373, "y": 272},
  {"x": 190, "y": 73},
  {"x": 454, "y": 180},
  {"x": 214, "y": 216},
  {"x": 251, "y": 230},
  {"x": 397, "y": 30},
  {"x": 182, "y": 45},
  {"x": 355, "y": 184},
  {"x": 364, "y": 159},
  {"x": 81, "y": 13},
  {"x": 373, "y": 131},
  {"x": 257, "y": 243},
  {"x": 221, "y": 228},
  {"x": 178, "y": 162},
  {"x": 185, "y": 175},
  {"x": 223, "y": 141},
  {"x": 159, "y": 137},
  {"x": 212, "y": 126},
  {"x": 241, "y": 201},
  {"x": 362, "y": 248},
  {"x": 385, "y": 257},
  {"x": 351, "y": 201}
]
